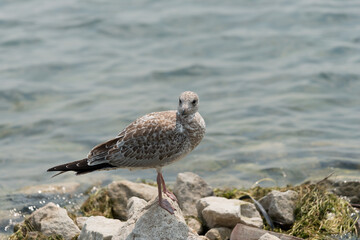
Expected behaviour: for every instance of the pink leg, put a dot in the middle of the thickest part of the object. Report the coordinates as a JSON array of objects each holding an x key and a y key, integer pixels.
[
  {"x": 163, "y": 202},
  {"x": 167, "y": 192}
]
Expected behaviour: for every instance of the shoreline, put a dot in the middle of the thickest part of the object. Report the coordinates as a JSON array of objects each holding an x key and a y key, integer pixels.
[{"x": 101, "y": 203}]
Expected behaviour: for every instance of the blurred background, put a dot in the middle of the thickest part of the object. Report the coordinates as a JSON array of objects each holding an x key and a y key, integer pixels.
[{"x": 279, "y": 86}]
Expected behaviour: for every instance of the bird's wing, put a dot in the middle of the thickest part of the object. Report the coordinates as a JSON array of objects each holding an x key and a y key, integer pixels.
[{"x": 147, "y": 142}]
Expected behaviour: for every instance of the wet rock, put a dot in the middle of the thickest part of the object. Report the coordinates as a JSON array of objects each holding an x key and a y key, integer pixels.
[
  {"x": 220, "y": 233},
  {"x": 349, "y": 189},
  {"x": 80, "y": 221},
  {"x": 222, "y": 212},
  {"x": 280, "y": 206},
  {"x": 52, "y": 219},
  {"x": 154, "y": 222},
  {"x": 99, "y": 227},
  {"x": 135, "y": 205},
  {"x": 54, "y": 188},
  {"x": 194, "y": 224},
  {"x": 189, "y": 188},
  {"x": 268, "y": 236},
  {"x": 120, "y": 191}
]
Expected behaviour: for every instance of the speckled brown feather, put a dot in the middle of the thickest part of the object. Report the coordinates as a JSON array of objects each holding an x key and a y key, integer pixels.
[{"x": 151, "y": 141}]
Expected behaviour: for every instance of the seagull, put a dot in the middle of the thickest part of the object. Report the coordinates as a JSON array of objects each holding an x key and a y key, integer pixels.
[{"x": 151, "y": 141}]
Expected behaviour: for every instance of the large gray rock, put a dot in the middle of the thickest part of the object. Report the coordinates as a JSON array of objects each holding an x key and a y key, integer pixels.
[
  {"x": 189, "y": 188},
  {"x": 52, "y": 219},
  {"x": 221, "y": 233},
  {"x": 153, "y": 222},
  {"x": 121, "y": 191},
  {"x": 280, "y": 206},
  {"x": 100, "y": 228},
  {"x": 222, "y": 212}
]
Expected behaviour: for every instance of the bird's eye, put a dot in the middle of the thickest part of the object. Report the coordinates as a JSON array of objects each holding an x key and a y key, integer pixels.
[
  {"x": 194, "y": 102},
  {"x": 180, "y": 102}
]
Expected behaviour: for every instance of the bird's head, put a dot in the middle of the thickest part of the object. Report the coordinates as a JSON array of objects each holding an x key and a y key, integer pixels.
[{"x": 188, "y": 103}]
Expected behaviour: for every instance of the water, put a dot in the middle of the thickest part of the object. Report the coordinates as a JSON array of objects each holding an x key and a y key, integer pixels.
[{"x": 278, "y": 82}]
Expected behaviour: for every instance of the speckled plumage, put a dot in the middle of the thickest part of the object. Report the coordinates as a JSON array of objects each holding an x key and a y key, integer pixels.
[{"x": 152, "y": 141}]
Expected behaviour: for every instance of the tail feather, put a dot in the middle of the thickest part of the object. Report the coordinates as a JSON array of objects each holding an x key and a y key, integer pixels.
[{"x": 80, "y": 167}]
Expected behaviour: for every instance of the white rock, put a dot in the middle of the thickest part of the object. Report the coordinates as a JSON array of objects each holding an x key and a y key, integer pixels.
[
  {"x": 268, "y": 236},
  {"x": 154, "y": 222},
  {"x": 134, "y": 206},
  {"x": 189, "y": 188},
  {"x": 99, "y": 228},
  {"x": 280, "y": 206},
  {"x": 220, "y": 233},
  {"x": 222, "y": 212},
  {"x": 52, "y": 219},
  {"x": 121, "y": 191}
]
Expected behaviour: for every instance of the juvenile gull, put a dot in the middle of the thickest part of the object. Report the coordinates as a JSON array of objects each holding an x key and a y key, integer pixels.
[{"x": 152, "y": 141}]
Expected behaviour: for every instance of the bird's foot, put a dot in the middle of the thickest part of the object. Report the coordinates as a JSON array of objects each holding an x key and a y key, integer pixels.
[
  {"x": 167, "y": 206},
  {"x": 171, "y": 195}
]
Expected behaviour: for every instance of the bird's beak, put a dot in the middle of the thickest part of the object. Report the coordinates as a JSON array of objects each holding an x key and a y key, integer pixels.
[{"x": 184, "y": 109}]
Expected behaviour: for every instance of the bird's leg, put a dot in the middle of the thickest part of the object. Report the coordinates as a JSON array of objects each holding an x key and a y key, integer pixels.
[
  {"x": 167, "y": 192},
  {"x": 163, "y": 202}
]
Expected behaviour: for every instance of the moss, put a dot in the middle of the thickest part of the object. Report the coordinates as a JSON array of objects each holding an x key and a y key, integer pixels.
[
  {"x": 256, "y": 192},
  {"x": 26, "y": 231},
  {"x": 98, "y": 204},
  {"x": 319, "y": 214}
]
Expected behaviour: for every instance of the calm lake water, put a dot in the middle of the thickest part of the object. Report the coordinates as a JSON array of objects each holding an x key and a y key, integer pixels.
[{"x": 279, "y": 86}]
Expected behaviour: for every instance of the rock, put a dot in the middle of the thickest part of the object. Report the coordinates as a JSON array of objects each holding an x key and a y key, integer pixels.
[
  {"x": 134, "y": 206},
  {"x": 80, "y": 221},
  {"x": 280, "y": 206},
  {"x": 243, "y": 232},
  {"x": 99, "y": 227},
  {"x": 222, "y": 212},
  {"x": 55, "y": 188},
  {"x": 120, "y": 191},
  {"x": 220, "y": 233},
  {"x": 250, "y": 216},
  {"x": 189, "y": 188},
  {"x": 268, "y": 236},
  {"x": 349, "y": 189},
  {"x": 194, "y": 224},
  {"x": 154, "y": 222},
  {"x": 52, "y": 219}
]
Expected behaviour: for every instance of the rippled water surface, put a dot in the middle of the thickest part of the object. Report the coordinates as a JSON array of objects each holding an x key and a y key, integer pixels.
[{"x": 279, "y": 85}]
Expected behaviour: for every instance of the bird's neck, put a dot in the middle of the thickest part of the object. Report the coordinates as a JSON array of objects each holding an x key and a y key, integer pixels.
[{"x": 191, "y": 127}]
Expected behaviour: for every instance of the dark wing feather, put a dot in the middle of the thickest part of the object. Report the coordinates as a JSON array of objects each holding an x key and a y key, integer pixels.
[{"x": 80, "y": 167}]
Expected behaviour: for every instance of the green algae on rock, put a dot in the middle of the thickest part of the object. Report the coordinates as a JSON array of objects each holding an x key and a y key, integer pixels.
[{"x": 98, "y": 204}]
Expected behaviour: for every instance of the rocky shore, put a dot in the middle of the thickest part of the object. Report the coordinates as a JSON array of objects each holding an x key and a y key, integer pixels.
[{"x": 128, "y": 210}]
